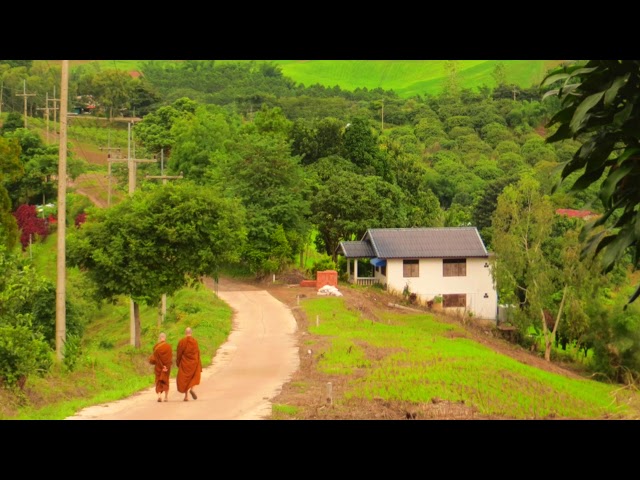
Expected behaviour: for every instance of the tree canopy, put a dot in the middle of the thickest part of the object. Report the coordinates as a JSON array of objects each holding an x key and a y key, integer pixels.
[{"x": 598, "y": 103}]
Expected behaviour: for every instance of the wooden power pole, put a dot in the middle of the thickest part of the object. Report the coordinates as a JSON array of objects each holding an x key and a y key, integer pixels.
[
  {"x": 110, "y": 161},
  {"x": 134, "y": 308},
  {"x": 61, "y": 277},
  {"x": 164, "y": 178},
  {"x": 25, "y": 95},
  {"x": 46, "y": 112}
]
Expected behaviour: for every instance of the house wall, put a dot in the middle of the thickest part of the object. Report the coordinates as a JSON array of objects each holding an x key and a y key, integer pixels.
[{"x": 432, "y": 283}]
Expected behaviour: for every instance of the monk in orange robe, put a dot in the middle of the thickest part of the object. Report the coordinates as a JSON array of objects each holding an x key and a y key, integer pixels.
[
  {"x": 189, "y": 365},
  {"x": 162, "y": 357}
]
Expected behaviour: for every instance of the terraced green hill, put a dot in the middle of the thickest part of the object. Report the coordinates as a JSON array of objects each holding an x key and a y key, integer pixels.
[
  {"x": 406, "y": 77},
  {"x": 411, "y": 77}
]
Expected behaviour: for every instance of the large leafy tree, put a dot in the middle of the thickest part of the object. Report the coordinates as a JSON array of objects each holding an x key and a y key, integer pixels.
[
  {"x": 347, "y": 204},
  {"x": 261, "y": 172},
  {"x": 521, "y": 224},
  {"x": 154, "y": 131},
  {"x": 537, "y": 264},
  {"x": 599, "y": 108},
  {"x": 158, "y": 241},
  {"x": 361, "y": 147},
  {"x": 201, "y": 140}
]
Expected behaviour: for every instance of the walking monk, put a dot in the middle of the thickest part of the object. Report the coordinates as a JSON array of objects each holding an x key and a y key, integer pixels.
[
  {"x": 162, "y": 357},
  {"x": 189, "y": 365}
]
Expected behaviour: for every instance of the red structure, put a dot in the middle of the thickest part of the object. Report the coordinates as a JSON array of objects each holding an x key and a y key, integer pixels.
[
  {"x": 586, "y": 214},
  {"x": 327, "y": 277}
]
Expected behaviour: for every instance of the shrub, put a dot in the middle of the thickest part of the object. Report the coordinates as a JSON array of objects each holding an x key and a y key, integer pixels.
[
  {"x": 31, "y": 226},
  {"x": 22, "y": 353}
]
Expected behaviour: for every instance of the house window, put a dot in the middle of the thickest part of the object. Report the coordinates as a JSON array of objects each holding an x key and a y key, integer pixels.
[
  {"x": 410, "y": 268},
  {"x": 454, "y": 300},
  {"x": 383, "y": 270},
  {"x": 454, "y": 267}
]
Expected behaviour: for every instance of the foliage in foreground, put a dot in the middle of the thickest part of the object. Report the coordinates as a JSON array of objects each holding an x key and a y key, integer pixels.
[{"x": 109, "y": 368}]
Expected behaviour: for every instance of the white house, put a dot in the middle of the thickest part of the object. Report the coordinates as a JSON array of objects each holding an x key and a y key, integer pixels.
[{"x": 451, "y": 263}]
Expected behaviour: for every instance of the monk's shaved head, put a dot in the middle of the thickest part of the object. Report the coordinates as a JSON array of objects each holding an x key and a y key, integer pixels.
[
  {"x": 188, "y": 331},
  {"x": 163, "y": 336}
]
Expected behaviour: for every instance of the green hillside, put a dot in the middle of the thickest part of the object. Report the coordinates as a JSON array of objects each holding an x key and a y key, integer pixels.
[
  {"x": 409, "y": 77},
  {"x": 406, "y": 77}
]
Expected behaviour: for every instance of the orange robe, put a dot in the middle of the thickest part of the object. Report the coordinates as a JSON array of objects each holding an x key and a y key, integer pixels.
[
  {"x": 189, "y": 364},
  {"x": 161, "y": 357}
]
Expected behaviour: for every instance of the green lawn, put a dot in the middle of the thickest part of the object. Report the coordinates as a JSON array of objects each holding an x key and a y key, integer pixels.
[{"x": 418, "y": 358}]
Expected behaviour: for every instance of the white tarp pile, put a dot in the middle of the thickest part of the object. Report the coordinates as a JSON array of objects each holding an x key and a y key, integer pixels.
[{"x": 329, "y": 290}]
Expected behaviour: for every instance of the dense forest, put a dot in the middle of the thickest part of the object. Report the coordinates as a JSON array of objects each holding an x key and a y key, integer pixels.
[{"x": 290, "y": 165}]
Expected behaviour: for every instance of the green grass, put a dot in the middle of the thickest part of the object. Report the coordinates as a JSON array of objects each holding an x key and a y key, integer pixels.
[
  {"x": 419, "y": 358},
  {"x": 283, "y": 411},
  {"x": 409, "y": 77}
]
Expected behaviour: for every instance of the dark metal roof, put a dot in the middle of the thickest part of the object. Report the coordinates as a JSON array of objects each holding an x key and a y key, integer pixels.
[
  {"x": 357, "y": 249},
  {"x": 426, "y": 242},
  {"x": 451, "y": 242}
]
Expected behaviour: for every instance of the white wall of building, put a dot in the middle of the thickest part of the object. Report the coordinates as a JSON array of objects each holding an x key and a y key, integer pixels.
[{"x": 432, "y": 283}]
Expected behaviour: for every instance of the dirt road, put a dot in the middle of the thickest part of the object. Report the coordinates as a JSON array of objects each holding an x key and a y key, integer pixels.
[{"x": 248, "y": 370}]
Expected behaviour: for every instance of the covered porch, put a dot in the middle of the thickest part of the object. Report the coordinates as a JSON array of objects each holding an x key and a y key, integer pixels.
[
  {"x": 353, "y": 275},
  {"x": 361, "y": 263}
]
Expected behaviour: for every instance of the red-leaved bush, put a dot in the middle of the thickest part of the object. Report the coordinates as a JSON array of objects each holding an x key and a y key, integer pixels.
[
  {"x": 30, "y": 224},
  {"x": 80, "y": 219}
]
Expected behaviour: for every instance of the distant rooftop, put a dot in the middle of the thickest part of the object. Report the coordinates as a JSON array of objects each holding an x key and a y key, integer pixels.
[{"x": 575, "y": 213}]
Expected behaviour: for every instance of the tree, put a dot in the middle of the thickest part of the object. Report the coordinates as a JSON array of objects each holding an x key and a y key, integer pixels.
[
  {"x": 262, "y": 174},
  {"x": 347, "y": 204},
  {"x": 158, "y": 241},
  {"x": 113, "y": 90},
  {"x": 451, "y": 87},
  {"x": 361, "y": 147},
  {"x": 154, "y": 131},
  {"x": 521, "y": 224},
  {"x": 599, "y": 108},
  {"x": 23, "y": 347},
  {"x": 10, "y": 169},
  {"x": 499, "y": 74}
]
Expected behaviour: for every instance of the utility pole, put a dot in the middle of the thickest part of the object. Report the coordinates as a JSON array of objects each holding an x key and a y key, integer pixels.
[
  {"x": 55, "y": 107},
  {"x": 109, "y": 161},
  {"x": 46, "y": 111},
  {"x": 134, "y": 308},
  {"x": 164, "y": 178},
  {"x": 25, "y": 95},
  {"x": 61, "y": 277}
]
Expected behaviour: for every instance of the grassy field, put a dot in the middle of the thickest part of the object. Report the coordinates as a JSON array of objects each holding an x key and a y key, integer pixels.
[
  {"x": 409, "y": 77},
  {"x": 406, "y": 77},
  {"x": 417, "y": 359}
]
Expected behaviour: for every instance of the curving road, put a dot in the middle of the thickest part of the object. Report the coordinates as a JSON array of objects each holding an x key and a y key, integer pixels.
[{"x": 259, "y": 356}]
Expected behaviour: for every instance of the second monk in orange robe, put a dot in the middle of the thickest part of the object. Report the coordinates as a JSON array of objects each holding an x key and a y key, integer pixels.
[{"x": 189, "y": 365}]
